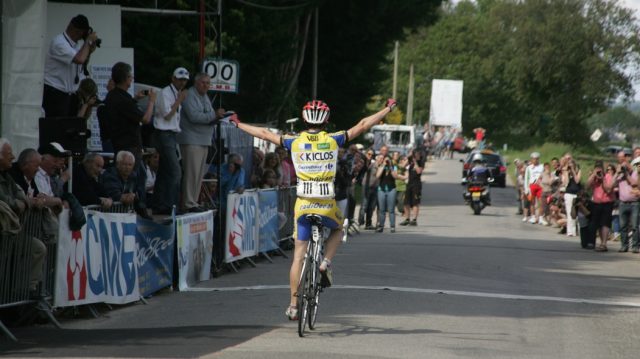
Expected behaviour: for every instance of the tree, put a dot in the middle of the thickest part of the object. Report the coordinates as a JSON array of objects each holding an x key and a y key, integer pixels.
[{"x": 532, "y": 69}]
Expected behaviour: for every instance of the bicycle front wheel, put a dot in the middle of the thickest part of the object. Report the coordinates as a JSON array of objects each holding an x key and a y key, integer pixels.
[{"x": 303, "y": 295}]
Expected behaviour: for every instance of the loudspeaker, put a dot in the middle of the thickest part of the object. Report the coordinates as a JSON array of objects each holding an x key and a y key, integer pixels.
[{"x": 70, "y": 132}]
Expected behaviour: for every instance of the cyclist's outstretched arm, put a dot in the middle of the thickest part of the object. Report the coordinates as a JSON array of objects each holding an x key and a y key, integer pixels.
[
  {"x": 254, "y": 131},
  {"x": 366, "y": 123}
]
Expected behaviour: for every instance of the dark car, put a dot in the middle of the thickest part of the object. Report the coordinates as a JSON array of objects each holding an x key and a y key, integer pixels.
[{"x": 494, "y": 163}]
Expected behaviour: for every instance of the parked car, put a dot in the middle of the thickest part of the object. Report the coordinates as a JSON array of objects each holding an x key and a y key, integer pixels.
[
  {"x": 493, "y": 161},
  {"x": 613, "y": 150}
]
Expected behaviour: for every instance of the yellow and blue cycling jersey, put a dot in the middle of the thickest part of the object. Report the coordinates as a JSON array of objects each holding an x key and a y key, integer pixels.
[{"x": 315, "y": 159}]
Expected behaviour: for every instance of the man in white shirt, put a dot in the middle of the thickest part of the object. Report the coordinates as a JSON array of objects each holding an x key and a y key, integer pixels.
[
  {"x": 63, "y": 65},
  {"x": 532, "y": 188},
  {"x": 167, "y": 125}
]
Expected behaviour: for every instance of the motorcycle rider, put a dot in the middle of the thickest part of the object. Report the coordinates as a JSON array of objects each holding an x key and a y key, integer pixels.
[{"x": 480, "y": 174}]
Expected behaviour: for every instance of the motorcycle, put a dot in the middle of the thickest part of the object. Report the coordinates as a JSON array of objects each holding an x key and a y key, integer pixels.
[{"x": 477, "y": 195}]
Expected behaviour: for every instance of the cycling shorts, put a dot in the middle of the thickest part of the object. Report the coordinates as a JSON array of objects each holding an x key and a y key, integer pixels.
[{"x": 326, "y": 208}]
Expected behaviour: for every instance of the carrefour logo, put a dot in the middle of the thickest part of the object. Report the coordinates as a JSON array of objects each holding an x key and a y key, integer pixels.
[{"x": 316, "y": 156}]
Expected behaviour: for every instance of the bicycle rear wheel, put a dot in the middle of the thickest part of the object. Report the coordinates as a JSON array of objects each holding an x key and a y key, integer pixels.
[
  {"x": 303, "y": 295},
  {"x": 314, "y": 285}
]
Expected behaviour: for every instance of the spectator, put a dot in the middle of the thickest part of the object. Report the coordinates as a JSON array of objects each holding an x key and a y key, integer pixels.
[
  {"x": 86, "y": 185},
  {"x": 272, "y": 162},
  {"x": 24, "y": 172},
  {"x": 413, "y": 194},
  {"x": 386, "y": 174},
  {"x": 602, "y": 184},
  {"x": 547, "y": 179},
  {"x": 269, "y": 179},
  {"x": 84, "y": 99},
  {"x": 257, "y": 171},
  {"x": 14, "y": 197},
  {"x": 167, "y": 126},
  {"x": 196, "y": 124},
  {"x": 571, "y": 182},
  {"x": 121, "y": 185},
  {"x": 401, "y": 184},
  {"x": 384, "y": 151},
  {"x": 53, "y": 161},
  {"x": 286, "y": 167},
  {"x": 63, "y": 65},
  {"x": 629, "y": 207},
  {"x": 525, "y": 204},
  {"x": 232, "y": 176},
  {"x": 124, "y": 118},
  {"x": 532, "y": 187},
  {"x": 370, "y": 188},
  {"x": 151, "y": 164}
]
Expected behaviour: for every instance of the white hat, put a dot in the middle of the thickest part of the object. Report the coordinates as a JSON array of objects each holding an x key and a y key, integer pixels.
[
  {"x": 181, "y": 73},
  {"x": 535, "y": 155},
  {"x": 635, "y": 161}
]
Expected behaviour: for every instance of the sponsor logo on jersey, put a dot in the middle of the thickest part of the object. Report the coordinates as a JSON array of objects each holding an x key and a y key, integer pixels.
[
  {"x": 304, "y": 146},
  {"x": 315, "y": 156},
  {"x": 313, "y": 138},
  {"x": 323, "y": 146},
  {"x": 310, "y": 168},
  {"x": 316, "y": 206},
  {"x": 330, "y": 166}
]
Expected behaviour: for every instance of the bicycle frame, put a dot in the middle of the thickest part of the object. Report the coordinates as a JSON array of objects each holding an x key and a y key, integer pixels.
[{"x": 308, "y": 287}]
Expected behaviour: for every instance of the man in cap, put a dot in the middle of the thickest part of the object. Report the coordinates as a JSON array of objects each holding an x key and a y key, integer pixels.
[
  {"x": 63, "y": 65},
  {"x": 533, "y": 189},
  {"x": 51, "y": 176},
  {"x": 167, "y": 125}
]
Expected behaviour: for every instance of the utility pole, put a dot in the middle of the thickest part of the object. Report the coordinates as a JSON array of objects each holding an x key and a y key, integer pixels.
[
  {"x": 202, "y": 8},
  {"x": 410, "y": 98},
  {"x": 314, "y": 79},
  {"x": 395, "y": 71}
]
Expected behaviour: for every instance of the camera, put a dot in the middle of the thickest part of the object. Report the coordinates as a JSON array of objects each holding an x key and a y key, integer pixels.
[
  {"x": 145, "y": 92},
  {"x": 98, "y": 40}
]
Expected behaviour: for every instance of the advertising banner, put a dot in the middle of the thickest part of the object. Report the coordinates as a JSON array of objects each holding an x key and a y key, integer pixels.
[
  {"x": 242, "y": 226},
  {"x": 194, "y": 233},
  {"x": 97, "y": 263},
  {"x": 154, "y": 251},
  {"x": 446, "y": 103},
  {"x": 269, "y": 220}
]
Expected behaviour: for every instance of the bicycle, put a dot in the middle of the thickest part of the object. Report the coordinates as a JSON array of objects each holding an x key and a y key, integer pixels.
[{"x": 309, "y": 287}]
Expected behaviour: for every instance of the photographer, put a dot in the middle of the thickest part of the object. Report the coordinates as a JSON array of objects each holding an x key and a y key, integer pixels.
[
  {"x": 387, "y": 174},
  {"x": 571, "y": 175},
  {"x": 413, "y": 194},
  {"x": 63, "y": 65},
  {"x": 627, "y": 182},
  {"x": 603, "y": 197},
  {"x": 84, "y": 99}
]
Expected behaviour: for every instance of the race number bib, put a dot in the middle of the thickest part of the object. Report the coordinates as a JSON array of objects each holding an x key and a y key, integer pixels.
[{"x": 312, "y": 189}]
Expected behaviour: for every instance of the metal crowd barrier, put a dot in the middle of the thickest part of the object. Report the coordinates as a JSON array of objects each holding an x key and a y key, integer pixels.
[
  {"x": 15, "y": 267},
  {"x": 286, "y": 201},
  {"x": 116, "y": 207}
]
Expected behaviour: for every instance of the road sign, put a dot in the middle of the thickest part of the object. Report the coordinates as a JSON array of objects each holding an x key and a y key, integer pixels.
[{"x": 225, "y": 74}]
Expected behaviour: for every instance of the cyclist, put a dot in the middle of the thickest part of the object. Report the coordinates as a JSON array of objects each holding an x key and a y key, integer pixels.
[{"x": 315, "y": 155}]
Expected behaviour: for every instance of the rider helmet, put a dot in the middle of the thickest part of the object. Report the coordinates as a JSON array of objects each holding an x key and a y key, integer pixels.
[
  {"x": 316, "y": 113},
  {"x": 477, "y": 158}
]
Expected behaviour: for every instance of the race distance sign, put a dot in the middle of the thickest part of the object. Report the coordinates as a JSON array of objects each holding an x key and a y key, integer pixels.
[{"x": 225, "y": 74}]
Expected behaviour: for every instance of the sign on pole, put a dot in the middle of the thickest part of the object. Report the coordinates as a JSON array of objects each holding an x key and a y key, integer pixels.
[
  {"x": 446, "y": 103},
  {"x": 225, "y": 74}
]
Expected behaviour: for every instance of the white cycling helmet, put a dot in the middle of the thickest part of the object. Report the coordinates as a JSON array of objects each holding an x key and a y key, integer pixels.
[
  {"x": 316, "y": 112},
  {"x": 477, "y": 158}
]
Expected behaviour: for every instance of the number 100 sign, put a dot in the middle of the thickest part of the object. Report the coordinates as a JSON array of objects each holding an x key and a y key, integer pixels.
[{"x": 225, "y": 74}]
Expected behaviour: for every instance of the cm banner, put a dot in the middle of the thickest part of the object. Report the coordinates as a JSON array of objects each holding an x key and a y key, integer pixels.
[
  {"x": 242, "y": 226},
  {"x": 97, "y": 263}
]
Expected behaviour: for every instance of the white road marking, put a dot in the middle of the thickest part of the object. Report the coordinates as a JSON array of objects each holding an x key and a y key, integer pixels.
[{"x": 439, "y": 291}]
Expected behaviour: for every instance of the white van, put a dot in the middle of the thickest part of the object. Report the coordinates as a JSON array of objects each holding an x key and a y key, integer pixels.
[{"x": 400, "y": 138}]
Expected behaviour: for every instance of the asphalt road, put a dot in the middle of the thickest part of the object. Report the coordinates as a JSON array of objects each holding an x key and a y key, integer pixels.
[{"x": 455, "y": 286}]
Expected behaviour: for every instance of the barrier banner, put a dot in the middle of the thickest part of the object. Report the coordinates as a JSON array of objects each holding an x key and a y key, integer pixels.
[
  {"x": 154, "y": 251},
  {"x": 242, "y": 226},
  {"x": 269, "y": 220},
  {"x": 195, "y": 246},
  {"x": 97, "y": 263}
]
